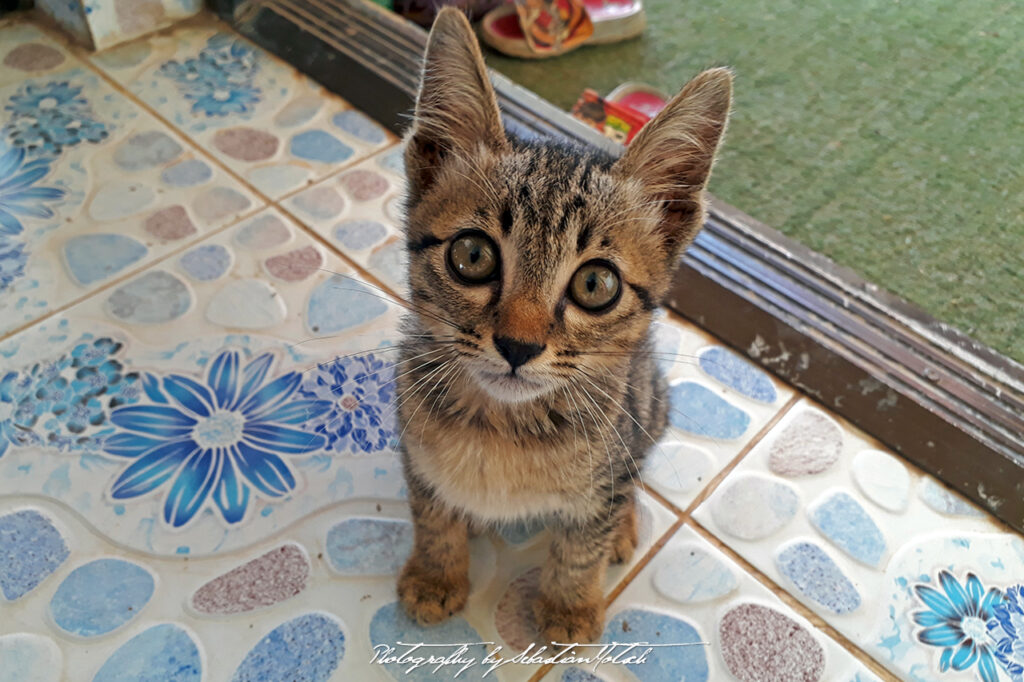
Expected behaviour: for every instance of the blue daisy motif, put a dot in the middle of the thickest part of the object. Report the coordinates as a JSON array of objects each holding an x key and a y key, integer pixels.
[
  {"x": 360, "y": 390},
  {"x": 219, "y": 80},
  {"x": 46, "y": 119},
  {"x": 214, "y": 441},
  {"x": 19, "y": 197},
  {"x": 956, "y": 620},
  {"x": 1006, "y": 629}
]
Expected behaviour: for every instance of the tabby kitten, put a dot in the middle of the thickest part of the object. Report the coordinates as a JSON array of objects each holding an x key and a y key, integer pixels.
[{"x": 526, "y": 384}]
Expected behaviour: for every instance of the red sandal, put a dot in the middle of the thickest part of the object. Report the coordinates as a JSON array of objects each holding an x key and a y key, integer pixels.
[{"x": 534, "y": 29}]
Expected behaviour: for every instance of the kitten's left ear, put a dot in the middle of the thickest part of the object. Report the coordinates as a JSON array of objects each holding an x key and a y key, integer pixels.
[
  {"x": 673, "y": 154},
  {"x": 456, "y": 109}
]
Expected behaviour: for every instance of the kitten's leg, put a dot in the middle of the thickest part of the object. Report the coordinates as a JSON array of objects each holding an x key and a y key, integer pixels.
[
  {"x": 626, "y": 533},
  {"x": 435, "y": 580},
  {"x": 571, "y": 603}
]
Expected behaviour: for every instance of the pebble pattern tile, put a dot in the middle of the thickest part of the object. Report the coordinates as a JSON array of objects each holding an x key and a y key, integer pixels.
[
  {"x": 256, "y": 115},
  {"x": 83, "y": 192},
  {"x": 198, "y": 474},
  {"x": 358, "y": 211},
  {"x": 863, "y": 539},
  {"x": 739, "y": 629}
]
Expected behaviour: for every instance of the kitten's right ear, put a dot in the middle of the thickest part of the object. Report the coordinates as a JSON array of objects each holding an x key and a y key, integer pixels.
[{"x": 456, "y": 109}]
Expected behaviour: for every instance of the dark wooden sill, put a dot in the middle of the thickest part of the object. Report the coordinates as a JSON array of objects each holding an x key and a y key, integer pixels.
[{"x": 940, "y": 399}]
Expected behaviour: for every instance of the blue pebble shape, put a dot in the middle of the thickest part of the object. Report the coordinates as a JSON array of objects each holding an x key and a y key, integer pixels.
[
  {"x": 187, "y": 173},
  {"x": 163, "y": 653},
  {"x": 818, "y": 577},
  {"x": 359, "y": 234},
  {"x": 101, "y": 596},
  {"x": 364, "y": 546},
  {"x": 206, "y": 263},
  {"x": 152, "y": 298},
  {"x": 340, "y": 303},
  {"x": 842, "y": 520},
  {"x": 317, "y": 145},
  {"x": 30, "y": 550},
  {"x": 738, "y": 374},
  {"x": 390, "y": 625},
  {"x": 146, "y": 150},
  {"x": 393, "y": 160},
  {"x": 358, "y": 125},
  {"x": 93, "y": 257},
  {"x": 663, "y": 664},
  {"x": 304, "y": 649},
  {"x": 700, "y": 411}
]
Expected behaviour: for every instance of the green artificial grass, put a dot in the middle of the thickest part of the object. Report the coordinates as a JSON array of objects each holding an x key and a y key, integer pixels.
[{"x": 888, "y": 135}]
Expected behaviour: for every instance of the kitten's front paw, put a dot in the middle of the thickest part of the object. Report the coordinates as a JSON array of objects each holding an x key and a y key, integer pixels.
[
  {"x": 565, "y": 623},
  {"x": 428, "y": 597},
  {"x": 624, "y": 544}
]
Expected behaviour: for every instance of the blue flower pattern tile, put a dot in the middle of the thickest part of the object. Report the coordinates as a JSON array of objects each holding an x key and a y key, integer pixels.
[
  {"x": 176, "y": 416},
  {"x": 219, "y": 80},
  {"x": 216, "y": 441},
  {"x": 955, "y": 620},
  {"x": 275, "y": 129}
]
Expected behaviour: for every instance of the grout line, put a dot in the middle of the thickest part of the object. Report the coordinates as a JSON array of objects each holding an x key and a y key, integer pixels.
[
  {"x": 642, "y": 564},
  {"x": 658, "y": 496},
  {"x": 792, "y": 602},
  {"x": 758, "y": 437}
]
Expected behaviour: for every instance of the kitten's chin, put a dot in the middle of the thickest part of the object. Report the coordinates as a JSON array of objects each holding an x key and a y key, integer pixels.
[{"x": 510, "y": 389}]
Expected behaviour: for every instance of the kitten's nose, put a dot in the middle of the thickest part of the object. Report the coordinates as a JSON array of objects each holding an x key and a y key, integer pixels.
[{"x": 517, "y": 353}]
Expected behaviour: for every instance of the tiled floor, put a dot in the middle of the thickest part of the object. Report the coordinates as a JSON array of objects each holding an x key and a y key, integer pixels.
[{"x": 192, "y": 240}]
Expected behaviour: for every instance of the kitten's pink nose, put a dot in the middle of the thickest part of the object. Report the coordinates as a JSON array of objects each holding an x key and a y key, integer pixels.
[{"x": 517, "y": 353}]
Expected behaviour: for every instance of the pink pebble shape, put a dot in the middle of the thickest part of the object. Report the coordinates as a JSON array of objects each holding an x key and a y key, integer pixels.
[
  {"x": 364, "y": 185},
  {"x": 246, "y": 144},
  {"x": 295, "y": 265},
  {"x": 760, "y": 644},
  {"x": 170, "y": 223},
  {"x": 809, "y": 444},
  {"x": 33, "y": 57},
  {"x": 278, "y": 575}
]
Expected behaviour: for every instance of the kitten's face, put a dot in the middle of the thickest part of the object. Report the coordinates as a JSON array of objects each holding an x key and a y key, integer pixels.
[
  {"x": 543, "y": 264},
  {"x": 534, "y": 254}
]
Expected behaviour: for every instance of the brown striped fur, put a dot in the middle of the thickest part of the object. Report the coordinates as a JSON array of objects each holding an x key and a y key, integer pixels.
[{"x": 563, "y": 436}]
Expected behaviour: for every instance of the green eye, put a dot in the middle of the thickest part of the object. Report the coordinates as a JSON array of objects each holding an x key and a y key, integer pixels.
[
  {"x": 595, "y": 286},
  {"x": 473, "y": 257}
]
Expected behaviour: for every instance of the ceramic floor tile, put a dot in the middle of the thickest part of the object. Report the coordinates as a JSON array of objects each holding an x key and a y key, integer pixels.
[
  {"x": 215, "y": 348},
  {"x": 883, "y": 552},
  {"x": 98, "y": 612},
  {"x": 196, "y": 410},
  {"x": 359, "y": 211},
  {"x": 93, "y": 189},
  {"x": 256, "y": 114},
  {"x": 719, "y": 402},
  {"x": 692, "y": 593}
]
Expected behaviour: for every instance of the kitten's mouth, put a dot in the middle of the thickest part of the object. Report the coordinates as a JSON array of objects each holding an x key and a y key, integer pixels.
[{"x": 509, "y": 387}]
